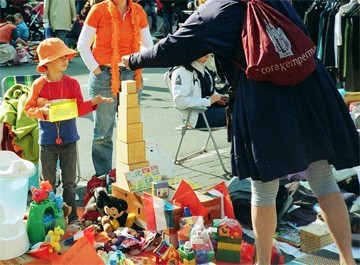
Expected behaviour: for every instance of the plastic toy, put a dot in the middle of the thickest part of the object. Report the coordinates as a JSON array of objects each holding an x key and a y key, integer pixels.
[
  {"x": 187, "y": 255},
  {"x": 166, "y": 254},
  {"x": 229, "y": 240},
  {"x": 92, "y": 213},
  {"x": 44, "y": 214},
  {"x": 115, "y": 210},
  {"x": 55, "y": 237}
]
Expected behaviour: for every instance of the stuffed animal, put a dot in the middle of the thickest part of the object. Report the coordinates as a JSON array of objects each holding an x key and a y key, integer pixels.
[
  {"x": 115, "y": 212},
  {"x": 55, "y": 237},
  {"x": 92, "y": 213}
]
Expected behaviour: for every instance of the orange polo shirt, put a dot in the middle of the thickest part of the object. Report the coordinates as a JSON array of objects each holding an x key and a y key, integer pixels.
[{"x": 99, "y": 18}]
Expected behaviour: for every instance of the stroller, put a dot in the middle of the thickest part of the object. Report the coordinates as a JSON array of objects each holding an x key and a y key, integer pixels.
[{"x": 35, "y": 22}]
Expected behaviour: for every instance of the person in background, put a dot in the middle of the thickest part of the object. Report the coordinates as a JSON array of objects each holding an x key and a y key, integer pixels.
[
  {"x": 87, "y": 7},
  {"x": 22, "y": 29},
  {"x": 193, "y": 85},
  {"x": 79, "y": 5},
  {"x": 276, "y": 130},
  {"x": 8, "y": 32},
  {"x": 151, "y": 4},
  {"x": 168, "y": 15},
  {"x": 8, "y": 35},
  {"x": 59, "y": 15},
  {"x": 58, "y": 139},
  {"x": 114, "y": 28}
]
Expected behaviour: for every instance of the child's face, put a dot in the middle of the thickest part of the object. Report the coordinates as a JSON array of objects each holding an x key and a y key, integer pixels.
[
  {"x": 203, "y": 59},
  {"x": 58, "y": 65}
]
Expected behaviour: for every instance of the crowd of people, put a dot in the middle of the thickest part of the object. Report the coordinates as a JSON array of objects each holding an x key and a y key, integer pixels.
[{"x": 36, "y": 20}]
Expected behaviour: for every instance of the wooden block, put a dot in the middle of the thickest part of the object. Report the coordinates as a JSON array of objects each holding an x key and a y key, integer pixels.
[
  {"x": 131, "y": 153},
  {"x": 128, "y": 87},
  {"x": 130, "y": 133},
  {"x": 128, "y": 115},
  {"x": 128, "y": 100}
]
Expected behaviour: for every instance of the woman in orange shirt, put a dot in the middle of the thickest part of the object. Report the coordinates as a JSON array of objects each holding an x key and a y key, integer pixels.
[{"x": 112, "y": 28}]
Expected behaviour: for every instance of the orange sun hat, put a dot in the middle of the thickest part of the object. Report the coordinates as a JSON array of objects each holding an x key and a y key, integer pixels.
[{"x": 51, "y": 49}]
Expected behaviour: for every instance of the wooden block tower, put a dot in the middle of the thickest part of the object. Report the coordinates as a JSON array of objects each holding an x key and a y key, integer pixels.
[{"x": 131, "y": 147}]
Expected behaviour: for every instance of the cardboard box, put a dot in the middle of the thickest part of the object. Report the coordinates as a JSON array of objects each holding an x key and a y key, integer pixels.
[
  {"x": 128, "y": 87},
  {"x": 213, "y": 204},
  {"x": 131, "y": 153},
  {"x": 314, "y": 237},
  {"x": 128, "y": 115},
  {"x": 131, "y": 133}
]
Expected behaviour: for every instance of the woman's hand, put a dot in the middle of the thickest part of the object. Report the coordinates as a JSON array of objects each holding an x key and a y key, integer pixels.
[
  {"x": 125, "y": 61},
  {"x": 99, "y": 99},
  {"x": 97, "y": 71}
]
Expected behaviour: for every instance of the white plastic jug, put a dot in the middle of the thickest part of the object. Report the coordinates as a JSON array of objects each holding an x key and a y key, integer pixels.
[{"x": 14, "y": 177}]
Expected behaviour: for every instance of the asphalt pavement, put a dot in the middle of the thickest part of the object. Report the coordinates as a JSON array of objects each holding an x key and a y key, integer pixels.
[{"x": 159, "y": 120}]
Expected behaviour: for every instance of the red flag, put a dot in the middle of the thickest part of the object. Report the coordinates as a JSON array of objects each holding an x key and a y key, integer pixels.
[
  {"x": 185, "y": 197},
  {"x": 226, "y": 200}
]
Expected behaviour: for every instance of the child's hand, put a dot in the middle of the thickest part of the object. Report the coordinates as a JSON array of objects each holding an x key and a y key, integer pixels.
[
  {"x": 99, "y": 99},
  {"x": 41, "y": 102},
  {"x": 46, "y": 109}
]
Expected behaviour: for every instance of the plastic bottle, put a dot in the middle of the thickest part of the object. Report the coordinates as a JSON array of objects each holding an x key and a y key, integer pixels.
[{"x": 113, "y": 258}]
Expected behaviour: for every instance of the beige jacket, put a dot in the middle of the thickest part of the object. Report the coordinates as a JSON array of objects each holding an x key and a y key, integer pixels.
[{"x": 60, "y": 14}]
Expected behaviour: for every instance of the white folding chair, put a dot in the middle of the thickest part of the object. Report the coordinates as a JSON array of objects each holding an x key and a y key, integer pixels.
[{"x": 185, "y": 127}]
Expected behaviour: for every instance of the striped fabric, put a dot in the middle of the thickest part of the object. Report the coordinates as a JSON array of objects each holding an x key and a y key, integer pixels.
[{"x": 9, "y": 81}]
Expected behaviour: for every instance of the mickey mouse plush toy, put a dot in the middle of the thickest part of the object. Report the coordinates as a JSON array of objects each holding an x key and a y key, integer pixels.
[{"x": 115, "y": 212}]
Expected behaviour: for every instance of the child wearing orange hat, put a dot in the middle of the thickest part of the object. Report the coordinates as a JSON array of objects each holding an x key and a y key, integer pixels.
[{"x": 58, "y": 139}]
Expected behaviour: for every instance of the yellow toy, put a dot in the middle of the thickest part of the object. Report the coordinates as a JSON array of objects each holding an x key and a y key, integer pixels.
[{"x": 55, "y": 238}]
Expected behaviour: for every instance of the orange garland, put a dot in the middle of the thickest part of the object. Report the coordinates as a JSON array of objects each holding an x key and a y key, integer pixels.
[{"x": 135, "y": 22}]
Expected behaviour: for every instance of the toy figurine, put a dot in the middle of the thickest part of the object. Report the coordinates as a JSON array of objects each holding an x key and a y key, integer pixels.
[
  {"x": 166, "y": 253},
  {"x": 187, "y": 255},
  {"x": 55, "y": 237}
]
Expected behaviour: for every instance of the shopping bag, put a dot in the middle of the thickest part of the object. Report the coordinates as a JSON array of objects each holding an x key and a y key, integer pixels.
[{"x": 275, "y": 49}]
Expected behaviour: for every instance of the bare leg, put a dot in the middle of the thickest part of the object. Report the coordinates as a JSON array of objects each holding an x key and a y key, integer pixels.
[
  {"x": 335, "y": 213},
  {"x": 337, "y": 219},
  {"x": 264, "y": 226}
]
